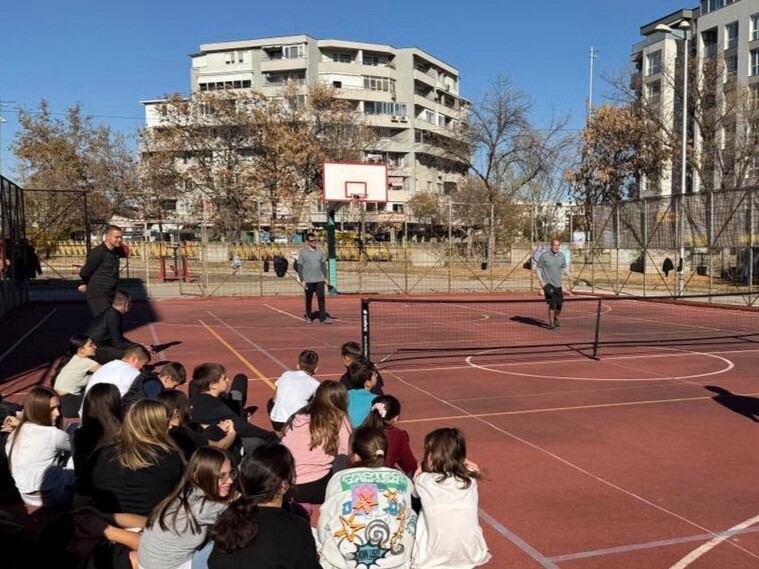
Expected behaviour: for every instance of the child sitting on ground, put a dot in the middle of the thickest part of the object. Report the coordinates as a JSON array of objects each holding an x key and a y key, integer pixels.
[
  {"x": 448, "y": 533},
  {"x": 363, "y": 376},
  {"x": 294, "y": 389},
  {"x": 74, "y": 373},
  {"x": 384, "y": 414},
  {"x": 349, "y": 353}
]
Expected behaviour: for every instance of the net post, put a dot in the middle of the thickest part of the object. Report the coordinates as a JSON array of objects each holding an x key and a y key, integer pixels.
[
  {"x": 365, "y": 350},
  {"x": 598, "y": 329}
]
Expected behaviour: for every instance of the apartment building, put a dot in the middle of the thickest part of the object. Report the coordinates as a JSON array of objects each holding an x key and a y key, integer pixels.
[
  {"x": 722, "y": 31},
  {"x": 408, "y": 96}
]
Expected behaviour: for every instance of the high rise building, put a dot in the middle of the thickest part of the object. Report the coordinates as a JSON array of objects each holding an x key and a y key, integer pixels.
[
  {"x": 409, "y": 97},
  {"x": 721, "y": 39}
]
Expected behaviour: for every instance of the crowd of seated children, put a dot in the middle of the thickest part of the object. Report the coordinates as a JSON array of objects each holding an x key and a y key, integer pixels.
[{"x": 178, "y": 482}]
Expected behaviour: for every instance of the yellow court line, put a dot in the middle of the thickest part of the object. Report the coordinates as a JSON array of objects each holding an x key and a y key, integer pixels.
[
  {"x": 239, "y": 356},
  {"x": 575, "y": 408}
]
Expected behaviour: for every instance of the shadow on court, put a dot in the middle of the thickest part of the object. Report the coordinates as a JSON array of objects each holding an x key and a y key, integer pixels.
[
  {"x": 741, "y": 404},
  {"x": 530, "y": 321},
  {"x": 38, "y": 353}
]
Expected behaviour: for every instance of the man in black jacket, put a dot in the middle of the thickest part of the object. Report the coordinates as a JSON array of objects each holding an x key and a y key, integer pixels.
[
  {"x": 107, "y": 330},
  {"x": 208, "y": 395},
  {"x": 100, "y": 272}
]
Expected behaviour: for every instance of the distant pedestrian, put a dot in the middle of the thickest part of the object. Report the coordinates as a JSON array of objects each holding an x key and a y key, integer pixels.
[
  {"x": 100, "y": 272},
  {"x": 551, "y": 265},
  {"x": 312, "y": 275}
]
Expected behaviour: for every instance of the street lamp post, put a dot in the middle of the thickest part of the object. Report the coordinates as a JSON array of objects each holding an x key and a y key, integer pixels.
[{"x": 684, "y": 27}]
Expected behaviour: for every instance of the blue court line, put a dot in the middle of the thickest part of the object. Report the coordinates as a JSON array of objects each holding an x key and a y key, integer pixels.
[
  {"x": 518, "y": 541},
  {"x": 649, "y": 545}
]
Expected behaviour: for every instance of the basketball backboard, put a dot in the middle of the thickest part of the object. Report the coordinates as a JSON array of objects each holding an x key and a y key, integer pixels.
[{"x": 354, "y": 181}]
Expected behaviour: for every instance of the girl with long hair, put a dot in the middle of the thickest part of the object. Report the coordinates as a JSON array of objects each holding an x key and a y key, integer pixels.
[
  {"x": 448, "y": 533},
  {"x": 74, "y": 372},
  {"x": 318, "y": 436},
  {"x": 256, "y": 530},
  {"x": 36, "y": 449},
  {"x": 367, "y": 512},
  {"x": 141, "y": 467},
  {"x": 384, "y": 414},
  {"x": 177, "y": 527},
  {"x": 101, "y": 421}
]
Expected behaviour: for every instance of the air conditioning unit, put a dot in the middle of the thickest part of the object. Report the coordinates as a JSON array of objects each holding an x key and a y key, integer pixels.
[
  {"x": 395, "y": 118},
  {"x": 404, "y": 119}
]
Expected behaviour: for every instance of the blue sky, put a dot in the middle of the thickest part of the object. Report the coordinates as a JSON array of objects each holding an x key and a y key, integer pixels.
[{"x": 110, "y": 55}]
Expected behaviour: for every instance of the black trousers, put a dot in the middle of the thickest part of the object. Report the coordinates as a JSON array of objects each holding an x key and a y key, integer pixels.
[
  {"x": 70, "y": 405},
  {"x": 98, "y": 301},
  {"x": 317, "y": 288}
]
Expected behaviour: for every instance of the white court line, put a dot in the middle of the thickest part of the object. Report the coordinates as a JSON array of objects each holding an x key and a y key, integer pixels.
[
  {"x": 715, "y": 541},
  {"x": 571, "y": 465},
  {"x": 156, "y": 341},
  {"x": 249, "y": 341},
  {"x": 28, "y": 333},
  {"x": 299, "y": 318},
  {"x": 729, "y": 366}
]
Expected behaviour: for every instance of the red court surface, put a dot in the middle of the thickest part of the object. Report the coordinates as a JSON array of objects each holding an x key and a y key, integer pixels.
[{"x": 647, "y": 458}]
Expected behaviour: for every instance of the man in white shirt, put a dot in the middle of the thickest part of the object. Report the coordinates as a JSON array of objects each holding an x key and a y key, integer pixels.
[
  {"x": 123, "y": 372},
  {"x": 294, "y": 389}
]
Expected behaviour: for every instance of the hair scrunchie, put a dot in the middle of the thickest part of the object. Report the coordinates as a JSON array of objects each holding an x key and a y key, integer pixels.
[{"x": 380, "y": 409}]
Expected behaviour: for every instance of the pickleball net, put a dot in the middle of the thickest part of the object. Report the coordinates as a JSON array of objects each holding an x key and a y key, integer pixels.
[{"x": 407, "y": 328}]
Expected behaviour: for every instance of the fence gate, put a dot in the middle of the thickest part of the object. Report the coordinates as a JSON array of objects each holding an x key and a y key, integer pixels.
[{"x": 13, "y": 251}]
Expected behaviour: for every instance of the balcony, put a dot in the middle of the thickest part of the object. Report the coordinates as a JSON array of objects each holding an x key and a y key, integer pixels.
[
  {"x": 283, "y": 64},
  {"x": 425, "y": 78}
]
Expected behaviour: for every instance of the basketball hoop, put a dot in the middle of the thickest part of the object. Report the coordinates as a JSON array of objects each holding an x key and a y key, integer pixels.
[{"x": 355, "y": 206}]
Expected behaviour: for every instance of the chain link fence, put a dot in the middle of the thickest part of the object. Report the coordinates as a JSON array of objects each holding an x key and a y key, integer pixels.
[
  {"x": 13, "y": 248},
  {"x": 674, "y": 245}
]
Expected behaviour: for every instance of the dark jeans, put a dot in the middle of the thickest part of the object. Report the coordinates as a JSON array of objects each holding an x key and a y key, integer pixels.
[{"x": 318, "y": 288}]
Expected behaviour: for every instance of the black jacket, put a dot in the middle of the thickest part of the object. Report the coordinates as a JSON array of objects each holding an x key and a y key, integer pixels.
[
  {"x": 210, "y": 410},
  {"x": 107, "y": 330},
  {"x": 101, "y": 270}
]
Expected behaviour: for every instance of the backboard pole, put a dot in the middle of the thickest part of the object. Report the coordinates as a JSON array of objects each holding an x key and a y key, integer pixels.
[{"x": 331, "y": 247}]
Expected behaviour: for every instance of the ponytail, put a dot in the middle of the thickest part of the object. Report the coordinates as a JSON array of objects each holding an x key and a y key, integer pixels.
[
  {"x": 384, "y": 409},
  {"x": 236, "y": 527},
  {"x": 76, "y": 342}
]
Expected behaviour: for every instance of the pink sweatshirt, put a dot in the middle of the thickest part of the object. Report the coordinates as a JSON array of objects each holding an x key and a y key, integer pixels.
[{"x": 311, "y": 465}]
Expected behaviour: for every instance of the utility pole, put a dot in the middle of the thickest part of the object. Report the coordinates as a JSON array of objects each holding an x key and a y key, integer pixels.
[
  {"x": 593, "y": 54},
  {"x": 2, "y": 120}
]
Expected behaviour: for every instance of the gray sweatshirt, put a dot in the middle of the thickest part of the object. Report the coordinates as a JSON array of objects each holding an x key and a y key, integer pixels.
[
  {"x": 312, "y": 266},
  {"x": 161, "y": 549}
]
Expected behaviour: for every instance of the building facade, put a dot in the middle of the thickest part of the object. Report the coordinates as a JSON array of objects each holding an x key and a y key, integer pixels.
[
  {"x": 721, "y": 36},
  {"x": 406, "y": 95}
]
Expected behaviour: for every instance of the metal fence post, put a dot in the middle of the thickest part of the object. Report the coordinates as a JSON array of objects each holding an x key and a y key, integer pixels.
[
  {"x": 450, "y": 243},
  {"x": 751, "y": 242},
  {"x": 645, "y": 244},
  {"x": 616, "y": 242},
  {"x": 680, "y": 227},
  {"x": 710, "y": 237}
]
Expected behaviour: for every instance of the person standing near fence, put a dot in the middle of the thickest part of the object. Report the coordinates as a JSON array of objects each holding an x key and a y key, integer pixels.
[
  {"x": 100, "y": 272},
  {"x": 312, "y": 275},
  {"x": 550, "y": 267}
]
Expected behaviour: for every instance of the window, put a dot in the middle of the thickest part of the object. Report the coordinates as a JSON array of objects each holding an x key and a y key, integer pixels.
[
  {"x": 428, "y": 115},
  {"x": 441, "y": 120},
  {"x": 224, "y": 85},
  {"x": 342, "y": 58},
  {"x": 731, "y": 35},
  {"x": 236, "y": 56},
  {"x": 653, "y": 63},
  {"x": 371, "y": 60},
  {"x": 731, "y": 65},
  {"x": 398, "y": 207},
  {"x": 755, "y": 27},
  {"x": 754, "y": 62},
  {"x": 379, "y": 83},
  {"x": 385, "y": 108},
  {"x": 653, "y": 92},
  {"x": 294, "y": 51},
  {"x": 337, "y": 84}
]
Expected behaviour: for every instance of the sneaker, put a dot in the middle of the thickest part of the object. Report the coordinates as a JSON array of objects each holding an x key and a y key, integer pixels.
[
  {"x": 327, "y": 320},
  {"x": 556, "y": 324},
  {"x": 307, "y": 319},
  {"x": 552, "y": 326}
]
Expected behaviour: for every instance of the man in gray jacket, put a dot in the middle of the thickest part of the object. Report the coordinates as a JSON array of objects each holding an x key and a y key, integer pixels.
[{"x": 312, "y": 275}]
